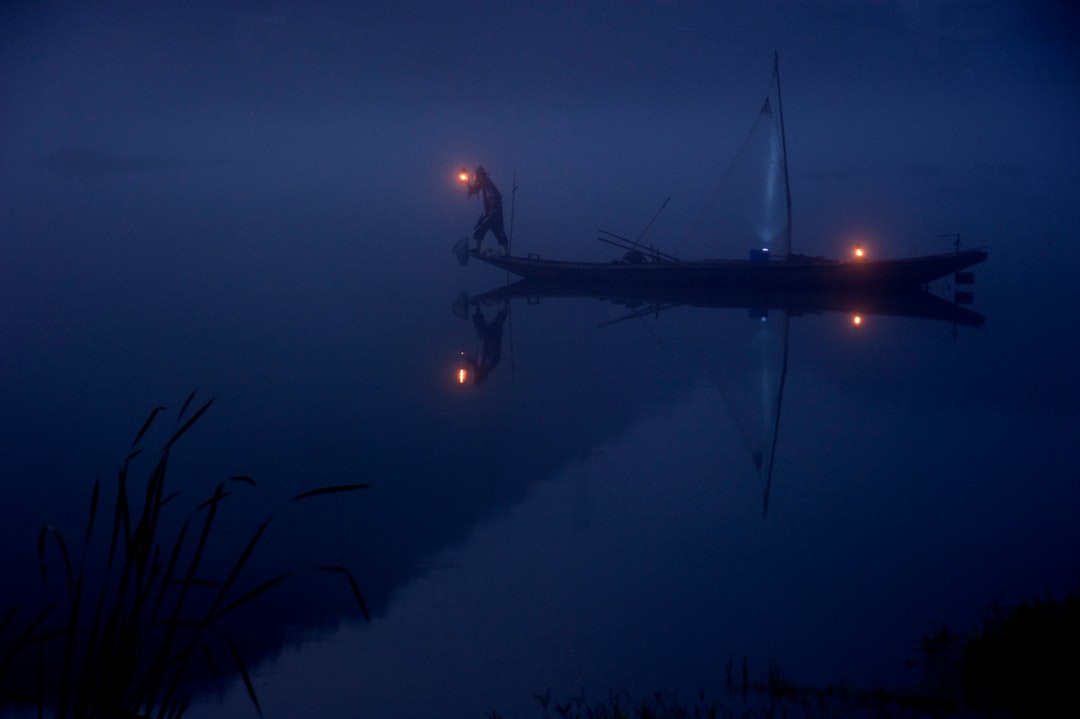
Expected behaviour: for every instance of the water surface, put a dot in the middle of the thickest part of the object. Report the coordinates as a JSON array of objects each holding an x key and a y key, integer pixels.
[{"x": 590, "y": 517}]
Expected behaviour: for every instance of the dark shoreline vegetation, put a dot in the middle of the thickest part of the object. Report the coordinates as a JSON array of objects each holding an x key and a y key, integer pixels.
[
  {"x": 131, "y": 625},
  {"x": 1023, "y": 661}
]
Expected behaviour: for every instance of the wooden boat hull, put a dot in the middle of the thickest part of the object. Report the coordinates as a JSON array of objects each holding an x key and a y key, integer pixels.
[{"x": 795, "y": 272}]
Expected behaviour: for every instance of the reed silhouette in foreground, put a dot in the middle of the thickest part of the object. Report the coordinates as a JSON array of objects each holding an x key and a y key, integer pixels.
[{"x": 133, "y": 617}]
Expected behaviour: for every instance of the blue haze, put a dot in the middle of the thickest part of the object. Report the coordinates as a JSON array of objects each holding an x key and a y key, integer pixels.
[{"x": 258, "y": 201}]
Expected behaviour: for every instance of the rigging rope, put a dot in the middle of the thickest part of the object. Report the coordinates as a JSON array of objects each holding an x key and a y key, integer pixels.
[{"x": 749, "y": 208}]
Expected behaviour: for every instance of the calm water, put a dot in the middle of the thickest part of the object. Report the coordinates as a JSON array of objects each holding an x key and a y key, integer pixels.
[{"x": 590, "y": 517}]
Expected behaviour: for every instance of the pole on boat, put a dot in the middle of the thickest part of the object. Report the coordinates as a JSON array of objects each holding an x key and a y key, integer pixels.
[
  {"x": 650, "y": 222},
  {"x": 510, "y": 239},
  {"x": 513, "y": 198},
  {"x": 626, "y": 243}
]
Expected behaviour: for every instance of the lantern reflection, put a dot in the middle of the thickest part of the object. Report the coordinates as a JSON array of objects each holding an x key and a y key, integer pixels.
[{"x": 462, "y": 369}]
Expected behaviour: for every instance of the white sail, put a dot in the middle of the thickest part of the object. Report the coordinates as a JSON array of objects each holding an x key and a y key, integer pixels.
[{"x": 750, "y": 209}]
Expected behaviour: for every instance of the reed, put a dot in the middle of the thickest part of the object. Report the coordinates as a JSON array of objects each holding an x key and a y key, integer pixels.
[
  {"x": 747, "y": 696},
  {"x": 1021, "y": 662},
  {"x": 135, "y": 611}
]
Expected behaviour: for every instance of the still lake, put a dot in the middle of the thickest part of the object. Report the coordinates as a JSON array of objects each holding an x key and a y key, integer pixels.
[{"x": 589, "y": 517}]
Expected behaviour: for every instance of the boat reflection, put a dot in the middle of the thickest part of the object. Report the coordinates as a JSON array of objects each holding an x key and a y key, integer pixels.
[
  {"x": 795, "y": 301},
  {"x": 754, "y": 390}
]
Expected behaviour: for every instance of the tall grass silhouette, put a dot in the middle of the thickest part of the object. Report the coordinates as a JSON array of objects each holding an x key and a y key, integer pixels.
[{"x": 131, "y": 620}]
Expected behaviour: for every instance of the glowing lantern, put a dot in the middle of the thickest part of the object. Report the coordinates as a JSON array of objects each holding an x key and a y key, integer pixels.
[
  {"x": 462, "y": 375},
  {"x": 859, "y": 254},
  {"x": 856, "y": 320},
  {"x": 463, "y": 175}
]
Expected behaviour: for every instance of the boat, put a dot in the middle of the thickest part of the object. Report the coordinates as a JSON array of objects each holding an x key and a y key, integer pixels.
[
  {"x": 795, "y": 272},
  {"x": 772, "y": 284},
  {"x": 762, "y": 204}
]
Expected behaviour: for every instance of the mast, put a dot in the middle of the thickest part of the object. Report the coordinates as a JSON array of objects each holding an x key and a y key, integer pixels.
[
  {"x": 787, "y": 240},
  {"x": 783, "y": 147}
]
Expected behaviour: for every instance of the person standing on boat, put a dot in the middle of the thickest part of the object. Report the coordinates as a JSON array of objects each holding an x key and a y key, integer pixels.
[{"x": 492, "y": 219}]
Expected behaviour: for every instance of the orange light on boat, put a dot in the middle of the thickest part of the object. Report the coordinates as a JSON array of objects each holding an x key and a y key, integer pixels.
[{"x": 462, "y": 375}]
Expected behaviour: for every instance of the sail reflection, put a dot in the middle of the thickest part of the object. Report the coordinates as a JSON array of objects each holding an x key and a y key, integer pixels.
[{"x": 755, "y": 359}]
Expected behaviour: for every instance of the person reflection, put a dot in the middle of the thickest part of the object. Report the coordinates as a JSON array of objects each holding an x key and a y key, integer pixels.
[{"x": 489, "y": 337}]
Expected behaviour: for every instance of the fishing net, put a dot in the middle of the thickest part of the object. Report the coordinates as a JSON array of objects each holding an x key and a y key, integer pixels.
[{"x": 749, "y": 209}]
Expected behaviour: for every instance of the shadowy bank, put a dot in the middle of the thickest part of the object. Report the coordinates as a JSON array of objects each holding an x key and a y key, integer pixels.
[{"x": 134, "y": 623}]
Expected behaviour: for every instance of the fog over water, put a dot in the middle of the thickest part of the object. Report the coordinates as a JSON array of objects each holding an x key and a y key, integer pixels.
[{"x": 258, "y": 201}]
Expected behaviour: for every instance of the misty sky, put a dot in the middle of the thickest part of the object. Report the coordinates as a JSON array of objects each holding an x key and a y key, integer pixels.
[{"x": 131, "y": 75}]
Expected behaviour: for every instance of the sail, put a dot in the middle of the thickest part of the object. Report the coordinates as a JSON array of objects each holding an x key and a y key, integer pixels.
[{"x": 750, "y": 208}]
